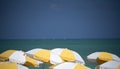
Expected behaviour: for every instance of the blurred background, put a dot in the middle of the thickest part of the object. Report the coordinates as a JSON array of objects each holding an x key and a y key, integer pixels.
[{"x": 85, "y": 26}]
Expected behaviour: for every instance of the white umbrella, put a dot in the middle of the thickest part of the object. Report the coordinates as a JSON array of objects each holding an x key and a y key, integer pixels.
[
  {"x": 10, "y": 65},
  {"x": 18, "y": 57},
  {"x": 109, "y": 65},
  {"x": 44, "y": 55},
  {"x": 102, "y": 57},
  {"x": 68, "y": 55},
  {"x": 69, "y": 65}
]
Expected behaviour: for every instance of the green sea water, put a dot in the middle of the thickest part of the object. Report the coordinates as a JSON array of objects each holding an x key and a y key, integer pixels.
[{"x": 83, "y": 46}]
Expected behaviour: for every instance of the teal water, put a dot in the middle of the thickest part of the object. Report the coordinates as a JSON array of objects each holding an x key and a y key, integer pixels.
[{"x": 82, "y": 46}]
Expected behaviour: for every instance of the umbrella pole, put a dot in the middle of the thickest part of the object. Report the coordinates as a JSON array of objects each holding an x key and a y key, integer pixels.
[{"x": 43, "y": 66}]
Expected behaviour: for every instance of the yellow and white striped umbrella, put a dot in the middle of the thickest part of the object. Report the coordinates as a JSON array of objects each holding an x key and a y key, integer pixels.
[
  {"x": 18, "y": 57},
  {"x": 44, "y": 55},
  {"x": 10, "y": 65},
  {"x": 109, "y": 65},
  {"x": 68, "y": 55},
  {"x": 102, "y": 57},
  {"x": 69, "y": 65}
]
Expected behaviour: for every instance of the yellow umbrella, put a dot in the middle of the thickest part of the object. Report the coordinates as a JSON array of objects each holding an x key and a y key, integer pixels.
[
  {"x": 18, "y": 57},
  {"x": 44, "y": 55},
  {"x": 69, "y": 65},
  {"x": 9, "y": 65},
  {"x": 109, "y": 65},
  {"x": 102, "y": 57},
  {"x": 68, "y": 55}
]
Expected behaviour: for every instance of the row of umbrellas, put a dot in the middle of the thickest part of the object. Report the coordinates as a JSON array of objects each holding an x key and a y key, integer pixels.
[{"x": 58, "y": 58}]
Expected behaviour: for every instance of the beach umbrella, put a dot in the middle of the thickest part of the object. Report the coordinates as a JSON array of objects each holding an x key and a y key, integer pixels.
[
  {"x": 44, "y": 55},
  {"x": 10, "y": 65},
  {"x": 102, "y": 57},
  {"x": 69, "y": 65},
  {"x": 18, "y": 57},
  {"x": 68, "y": 55},
  {"x": 109, "y": 65}
]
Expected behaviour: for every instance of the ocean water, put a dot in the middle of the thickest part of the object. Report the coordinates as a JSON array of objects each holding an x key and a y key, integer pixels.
[{"x": 83, "y": 46}]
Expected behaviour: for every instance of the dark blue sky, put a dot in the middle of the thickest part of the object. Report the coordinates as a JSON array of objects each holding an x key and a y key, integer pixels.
[{"x": 59, "y": 19}]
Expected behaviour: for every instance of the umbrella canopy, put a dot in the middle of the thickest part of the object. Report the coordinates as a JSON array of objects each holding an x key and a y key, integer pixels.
[
  {"x": 68, "y": 55},
  {"x": 44, "y": 55},
  {"x": 18, "y": 57},
  {"x": 9, "y": 65},
  {"x": 109, "y": 65},
  {"x": 102, "y": 57},
  {"x": 69, "y": 65}
]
